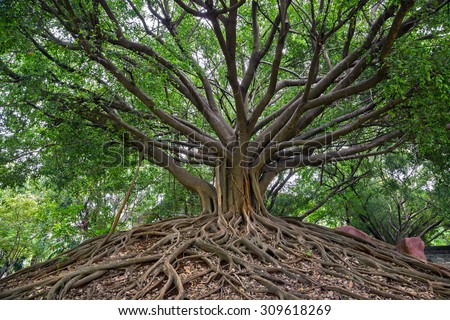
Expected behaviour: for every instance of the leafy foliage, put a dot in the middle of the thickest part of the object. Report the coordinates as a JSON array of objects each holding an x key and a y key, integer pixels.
[{"x": 389, "y": 198}]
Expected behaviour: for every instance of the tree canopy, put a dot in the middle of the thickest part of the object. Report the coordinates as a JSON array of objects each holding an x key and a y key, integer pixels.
[{"x": 249, "y": 88}]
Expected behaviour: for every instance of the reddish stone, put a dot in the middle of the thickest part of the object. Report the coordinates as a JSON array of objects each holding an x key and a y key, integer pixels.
[
  {"x": 354, "y": 231},
  {"x": 412, "y": 246}
]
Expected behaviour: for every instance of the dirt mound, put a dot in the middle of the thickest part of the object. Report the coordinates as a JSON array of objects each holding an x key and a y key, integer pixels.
[{"x": 209, "y": 257}]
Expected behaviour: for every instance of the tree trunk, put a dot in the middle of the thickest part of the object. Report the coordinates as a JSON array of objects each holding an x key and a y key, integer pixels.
[{"x": 239, "y": 192}]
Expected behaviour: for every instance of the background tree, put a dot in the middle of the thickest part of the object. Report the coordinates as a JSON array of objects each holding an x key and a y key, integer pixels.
[
  {"x": 247, "y": 89},
  {"x": 16, "y": 236},
  {"x": 404, "y": 202},
  {"x": 389, "y": 198}
]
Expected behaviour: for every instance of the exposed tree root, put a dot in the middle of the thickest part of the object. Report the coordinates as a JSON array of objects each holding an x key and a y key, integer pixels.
[{"x": 218, "y": 257}]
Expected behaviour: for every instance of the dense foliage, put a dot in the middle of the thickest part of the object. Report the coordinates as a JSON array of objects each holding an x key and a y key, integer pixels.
[{"x": 390, "y": 198}]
